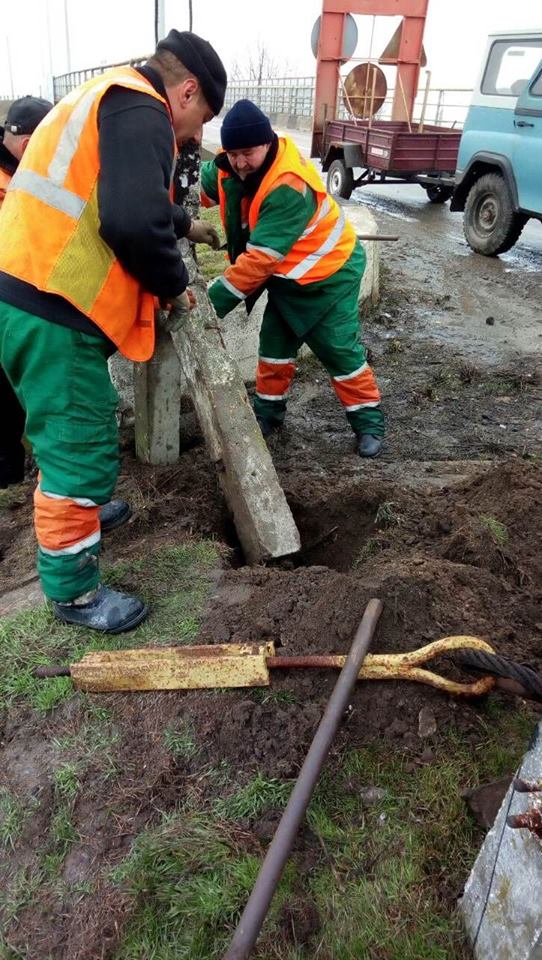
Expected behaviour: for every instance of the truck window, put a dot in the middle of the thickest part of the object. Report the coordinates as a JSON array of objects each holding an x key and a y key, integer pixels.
[
  {"x": 510, "y": 65},
  {"x": 536, "y": 89}
]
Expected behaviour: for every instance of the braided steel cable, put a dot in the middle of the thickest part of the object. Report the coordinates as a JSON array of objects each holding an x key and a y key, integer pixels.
[{"x": 478, "y": 661}]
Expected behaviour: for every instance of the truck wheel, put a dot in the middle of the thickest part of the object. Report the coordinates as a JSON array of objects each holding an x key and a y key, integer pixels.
[
  {"x": 490, "y": 223},
  {"x": 340, "y": 180},
  {"x": 437, "y": 194}
]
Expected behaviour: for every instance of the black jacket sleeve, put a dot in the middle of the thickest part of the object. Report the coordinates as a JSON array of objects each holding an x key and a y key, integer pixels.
[
  {"x": 137, "y": 218},
  {"x": 181, "y": 221}
]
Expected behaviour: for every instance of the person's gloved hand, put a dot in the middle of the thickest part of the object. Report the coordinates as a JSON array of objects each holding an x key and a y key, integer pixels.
[
  {"x": 203, "y": 232},
  {"x": 172, "y": 318}
]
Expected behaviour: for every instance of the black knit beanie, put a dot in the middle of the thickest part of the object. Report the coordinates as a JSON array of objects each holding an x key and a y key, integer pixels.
[
  {"x": 201, "y": 59},
  {"x": 245, "y": 126}
]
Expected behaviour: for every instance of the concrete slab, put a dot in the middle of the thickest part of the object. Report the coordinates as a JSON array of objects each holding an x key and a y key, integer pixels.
[
  {"x": 26, "y": 597},
  {"x": 502, "y": 898}
]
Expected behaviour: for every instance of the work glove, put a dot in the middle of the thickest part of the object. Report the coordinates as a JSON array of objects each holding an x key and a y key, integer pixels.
[
  {"x": 203, "y": 232},
  {"x": 172, "y": 315}
]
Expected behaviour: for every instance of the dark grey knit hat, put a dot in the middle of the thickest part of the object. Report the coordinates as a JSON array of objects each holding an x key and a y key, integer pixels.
[{"x": 203, "y": 61}]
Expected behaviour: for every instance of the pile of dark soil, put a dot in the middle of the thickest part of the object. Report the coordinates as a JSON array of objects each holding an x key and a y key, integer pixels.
[{"x": 463, "y": 561}]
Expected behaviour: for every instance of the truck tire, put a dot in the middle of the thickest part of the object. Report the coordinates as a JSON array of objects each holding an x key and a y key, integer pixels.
[
  {"x": 438, "y": 194},
  {"x": 340, "y": 180},
  {"x": 490, "y": 223}
]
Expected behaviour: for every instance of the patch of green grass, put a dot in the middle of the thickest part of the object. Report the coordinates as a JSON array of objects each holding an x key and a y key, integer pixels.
[
  {"x": 92, "y": 743},
  {"x": 62, "y": 834},
  {"x": 190, "y": 879},
  {"x": 252, "y": 799},
  {"x": 272, "y": 695},
  {"x": 66, "y": 781},
  {"x": 174, "y": 580},
  {"x": 12, "y": 816},
  {"x": 377, "y": 891},
  {"x": 211, "y": 263},
  {"x": 180, "y": 739},
  {"x": 387, "y": 515},
  {"x": 16, "y": 891},
  {"x": 370, "y": 548},
  {"x": 498, "y": 531}
]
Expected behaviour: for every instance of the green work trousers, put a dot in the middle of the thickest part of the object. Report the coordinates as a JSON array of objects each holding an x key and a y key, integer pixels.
[
  {"x": 62, "y": 381},
  {"x": 336, "y": 341}
]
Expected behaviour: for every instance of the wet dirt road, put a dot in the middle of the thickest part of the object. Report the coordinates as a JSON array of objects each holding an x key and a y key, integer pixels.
[{"x": 458, "y": 290}]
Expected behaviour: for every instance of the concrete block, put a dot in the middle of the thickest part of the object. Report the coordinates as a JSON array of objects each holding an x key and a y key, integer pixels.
[
  {"x": 501, "y": 905},
  {"x": 363, "y": 221},
  {"x": 157, "y": 399}
]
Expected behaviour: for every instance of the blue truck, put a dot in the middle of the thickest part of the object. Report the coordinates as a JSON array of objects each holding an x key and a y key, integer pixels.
[{"x": 498, "y": 181}]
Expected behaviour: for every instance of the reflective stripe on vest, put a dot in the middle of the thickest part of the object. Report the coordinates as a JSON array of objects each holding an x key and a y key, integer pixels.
[
  {"x": 327, "y": 242},
  {"x": 50, "y": 234}
]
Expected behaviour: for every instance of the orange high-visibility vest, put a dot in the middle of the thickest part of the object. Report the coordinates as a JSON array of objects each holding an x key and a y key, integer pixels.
[
  {"x": 5, "y": 179},
  {"x": 328, "y": 240},
  {"x": 49, "y": 233}
]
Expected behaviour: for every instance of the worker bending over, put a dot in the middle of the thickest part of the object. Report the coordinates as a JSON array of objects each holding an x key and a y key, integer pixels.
[
  {"x": 88, "y": 239},
  {"x": 287, "y": 235}
]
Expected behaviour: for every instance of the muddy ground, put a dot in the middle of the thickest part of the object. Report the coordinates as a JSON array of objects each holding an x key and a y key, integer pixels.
[{"x": 446, "y": 528}]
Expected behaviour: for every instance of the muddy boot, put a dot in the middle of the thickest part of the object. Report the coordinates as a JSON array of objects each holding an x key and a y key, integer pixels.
[
  {"x": 114, "y": 514},
  {"x": 267, "y": 426},
  {"x": 103, "y": 609},
  {"x": 369, "y": 445}
]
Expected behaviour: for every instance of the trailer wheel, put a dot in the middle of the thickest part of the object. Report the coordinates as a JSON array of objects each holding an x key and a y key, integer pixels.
[
  {"x": 340, "y": 180},
  {"x": 438, "y": 194},
  {"x": 490, "y": 223}
]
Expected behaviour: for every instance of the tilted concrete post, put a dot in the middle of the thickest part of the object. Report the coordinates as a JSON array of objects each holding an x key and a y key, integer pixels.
[{"x": 262, "y": 517}]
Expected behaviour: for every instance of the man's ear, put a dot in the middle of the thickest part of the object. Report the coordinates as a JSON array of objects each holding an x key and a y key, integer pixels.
[
  {"x": 24, "y": 143},
  {"x": 189, "y": 89}
]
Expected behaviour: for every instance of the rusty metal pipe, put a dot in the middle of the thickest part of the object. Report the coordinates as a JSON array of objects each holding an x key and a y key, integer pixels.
[
  {"x": 45, "y": 672},
  {"x": 256, "y": 909}
]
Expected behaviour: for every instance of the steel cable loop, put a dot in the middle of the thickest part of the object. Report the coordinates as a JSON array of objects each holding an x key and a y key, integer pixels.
[{"x": 478, "y": 661}]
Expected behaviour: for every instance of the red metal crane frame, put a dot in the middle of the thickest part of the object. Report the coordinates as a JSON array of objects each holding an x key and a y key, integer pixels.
[{"x": 330, "y": 47}]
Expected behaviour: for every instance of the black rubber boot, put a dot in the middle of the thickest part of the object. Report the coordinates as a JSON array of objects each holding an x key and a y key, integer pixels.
[
  {"x": 108, "y": 611},
  {"x": 266, "y": 426},
  {"x": 114, "y": 514},
  {"x": 369, "y": 445}
]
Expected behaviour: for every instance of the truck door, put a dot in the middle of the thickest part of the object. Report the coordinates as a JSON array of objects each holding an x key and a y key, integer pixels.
[{"x": 528, "y": 152}]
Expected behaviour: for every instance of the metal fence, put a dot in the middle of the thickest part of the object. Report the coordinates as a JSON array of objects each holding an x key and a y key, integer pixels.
[
  {"x": 67, "y": 82},
  {"x": 294, "y": 97}
]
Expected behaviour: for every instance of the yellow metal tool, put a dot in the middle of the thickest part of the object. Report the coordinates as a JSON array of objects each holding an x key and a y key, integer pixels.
[{"x": 249, "y": 665}]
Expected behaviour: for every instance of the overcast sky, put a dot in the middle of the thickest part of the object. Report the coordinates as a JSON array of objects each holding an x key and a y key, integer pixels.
[{"x": 105, "y": 31}]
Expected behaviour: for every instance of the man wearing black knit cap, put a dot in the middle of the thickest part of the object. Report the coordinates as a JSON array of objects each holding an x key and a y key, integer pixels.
[{"x": 92, "y": 200}]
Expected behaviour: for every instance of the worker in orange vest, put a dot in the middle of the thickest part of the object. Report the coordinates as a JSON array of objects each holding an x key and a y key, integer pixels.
[
  {"x": 88, "y": 240},
  {"x": 23, "y": 117},
  {"x": 286, "y": 234}
]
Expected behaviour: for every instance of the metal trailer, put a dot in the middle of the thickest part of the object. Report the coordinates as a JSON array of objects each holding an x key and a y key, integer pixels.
[
  {"x": 395, "y": 150},
  {"x": 389, "y": 152}
]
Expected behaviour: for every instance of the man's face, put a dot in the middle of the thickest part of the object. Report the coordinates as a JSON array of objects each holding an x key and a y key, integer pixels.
[
  {"x": 16, "y": 143},
  {"x": 189, "y": 110},
  {"x": 244, "y": 162}
]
